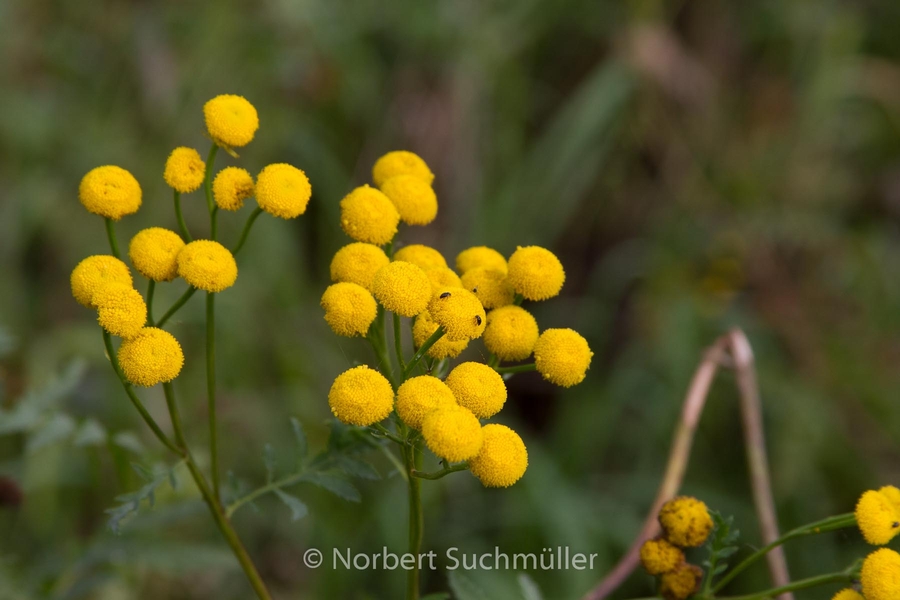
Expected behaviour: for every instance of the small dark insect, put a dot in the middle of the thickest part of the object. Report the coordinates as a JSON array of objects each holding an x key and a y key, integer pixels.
[
  {"x": 445, "y": 295},
  {"x": 477, "y": 320},
  {"x": 895, "y": 525},
  {"x": 474, "y": 290}
]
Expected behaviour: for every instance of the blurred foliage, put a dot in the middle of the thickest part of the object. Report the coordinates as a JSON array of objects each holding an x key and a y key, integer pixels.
[{"x": 697, "y": 165}]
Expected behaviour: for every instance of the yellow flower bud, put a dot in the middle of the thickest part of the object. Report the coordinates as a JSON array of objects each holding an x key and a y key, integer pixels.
[
  {"x": 231, "y": 187},
  {"x": 94, "y": 272},
  {"x": 184, "y": 170},
  {"x": 490, "y": 286},
  {"x": 535, "y": 273},
  {"x": 154, "y": 253},
  {"x": 402, "y": 288},
  {"x": 880, "y": 575},
  {"x": 415, "y": 200},
  {"x": 121, "y": 310},
  {"x": 459, "y": 312},
  {"x": 424, "y": 257},
  {"x": 424, "y": 327},
  {"x": 419, "y": 396},
  {"x": 207, "y": 265},
  {"x": 681, "y": 583},
  {"x": 877, "y": 519},
  {"x": 443, "y": 277},
  {"x": 848, "y": 594},
  {"x": 400, "y": 162},
  {"x": 480, "y": 256},
  {"x": 477, "y": 387},
  {"x": 502, "y": 460},
  {"x": 453, "y": 433},
  {"x": 685, "y": 521},
  {"x": 659, "y": 556},
  {"x": 511, "y": 333},
  {"x": 150, "y": 357},
  {"x": 110, "y": 192},
  {"x": 230, "y": 120},
  {"x": 562, "y": 357},
  {"x": 358, "y": 263},
  {"x": 368, "y": 216},
  {"x": 361, "y": 396},
  {"x": 283, "y": 191},
  {"x": 349, "y": 309}
]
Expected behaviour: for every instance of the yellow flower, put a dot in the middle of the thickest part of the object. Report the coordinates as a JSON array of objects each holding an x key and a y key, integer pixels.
[
  {"x": 231, "y": 120},
  {"x": 94, "y": 272},
  {"x": 349, "y": 309},
  {"x": 478, "y": 388},
  {"x": 120, "y": 309},
  {"x": 659, "y": 556},
  {"x": 877, "y": 519},
  {"x": 184, "y": 170},
  {"x": 535, "y": 273},
  {"x": 893, "y": 495},
  {"x": 402, "y": 288},
  {"x": 502, "y": 459},
  {"x": 685, "y": 522},
  {"x": 150, "y": 357},
  {"x": 420, "y": 396},
  {"x": 283, "y": 191},
  {"x": 562, "y": 356},
  {"x": 154, "y": 253},
  {"x": 480, "y": 256},
  {"x": 361, "y": 396},
  {"x": 415, "y": 200},
  {"x": 443, "y": 277},
  {"x": 681, "y": 583},
  {"x": 511, "y": 333},
  {"x": 424, "y": 327},
  {"x": 848, "y": 594},
  {"x": 231, "y": 187},
  {"x": 424, "y": 257},
  {"x": 358, "y": 263},
  {"x": 400, "y": 162},
  {"x": 459, "y": 312},
  {"x": 490, "y": 286},
  {"x": 110, "y": 192},
  {"x": 368, "y": 216},
  {"x": 453, "y": 433},
  {"x": 207, "y": 265},
  {"x": 880, "y": 576}
]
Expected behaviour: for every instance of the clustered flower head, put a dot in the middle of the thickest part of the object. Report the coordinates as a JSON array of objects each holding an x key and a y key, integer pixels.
[
  {"x": 184, "y": 170},
  {"x": 880, "y": 577},
  {"x": 878, "y": 515}
]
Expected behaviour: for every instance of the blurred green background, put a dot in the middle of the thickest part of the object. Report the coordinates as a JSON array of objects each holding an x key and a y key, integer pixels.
[{"x": 696, "y": 165}]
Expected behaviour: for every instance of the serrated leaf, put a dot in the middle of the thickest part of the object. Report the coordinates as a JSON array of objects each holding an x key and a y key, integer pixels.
[
  {"x": 90, "y": 433},
  {"x": 300, "y": 437},
  {"x": 298, "y": 508},
  {"x": 727, "y": 552},
  {"x": 129, "y": 441},
  {"x": 530, "y": 589},
  {"x": 336, "y": 485},
  {"x": 357, "y": 468},
  {"x": 270, "y": 462},
  {"x": 720, "y": 569},
  {"x": 59, "y": 427},
  {"x": 143, "y": 472}
]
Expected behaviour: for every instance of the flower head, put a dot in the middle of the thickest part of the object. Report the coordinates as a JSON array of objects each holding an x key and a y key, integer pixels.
[
  {"x": 877, "y": 518},
  {"x": 477, "y": 387},
  {"x": 459, "y": 312},
  {"x": 685, "y": 522},
  {"x": 419, "y": 396},
  {"x": 231, "y": 187},
  {"x": 207, "y": 265},
  {"x": 150, "y": 357},
  {"x": 681, "y": 583},
  {"x": 415, "y": 200},
  {"x": 502, "y": 459},
  {"x": 121, "y": 310},
  {"x": 424, "y": 257},
  {"x": 489, "y": 285},
  {"x": 535, "y": 273},
  {"x": 361, "y": 396},
  {"x": 893, "y": 495},
  {"x": 880, "y": 575},
  {"x": 402, "y": 288},
  {"x": 349, "y": 309},
  {"x": 443, "y": 277},
  {"x": 400, "y": 162},
  {"x": 368, "y": 216},
  {"x": 511, "y": 333},
  {"x": 480, "y": 256},
  {"x": 848, "y": 594},
  {"x": 453, "y": 433},
  {"x": 562, "y": 356},
  {"x": 184, "y": 170},
  {"x": 94, "y": 272},
  {"x": 110, "y": 192},
  {"x": 154, "y": 253},
  {"x": 283, "y": 191},
  {"x": 231, "y": 120},
  {"x": 659, "y": 556},
  {"x": 358, "y": 263},
  {"x": 424, "y": 327}
]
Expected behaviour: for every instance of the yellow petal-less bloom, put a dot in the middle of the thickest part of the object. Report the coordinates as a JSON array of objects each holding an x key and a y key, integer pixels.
[
  {"x": 880, "y": 575},
  {"x": 121, "y": 310},
  {"x": 681, "y": 583},
  {"x": 110, "y": 192},
  {"x": 402, "y": 288},
  {"x": 150, "y": 357},
  {"x": 207, "y": 265},
  {"x": 94, "y": 272},
  {"x": 659, "y": 556},
  {"x": 349, "y": 309},
  {"x": 848, "y": 594},
  {"x": 453, "y": 433},
  {"x": 477, "y": 387},
  {"x": 400, "y": 162},
  {"x": 685, "y": 522},
  {"x": 424, "y": 327},
  {"x": 368, "y": 216},
  {"x": 184, "y": 170},
  {"x": 154, "y": 253},
  {"x": 419, "y": 396},
  {"x": 490, "y": 286},
  {"x": 357, "y": 263},
  {"x": 562, "y": 357},
  {"x": 424, "y": 257},
  {"x": 535, "y": 273},
  {"x": 459, "y": 312},
  {"x": 415, "y": 200},
  {"x": 893, "y": 495},
  {"x": 361, "y": 396},
  {"x": 283, "y": 191},
  {"x": 231, "y": 120},
  {"x": 480, "y": 256},
  {"x": 443, "y": 277},
  {"x": 231, "y": 187},
  {"x": 877, "y": 519},
  {"x": 502, "y": 460},
  {"x": 511, "y": 333}
]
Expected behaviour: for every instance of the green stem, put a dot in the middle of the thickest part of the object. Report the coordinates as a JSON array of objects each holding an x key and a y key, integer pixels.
[
  {"x": 151, "y": 287},
  {"x": 250, "y": 221},
  {"x": 416, "y": 521},
  {"x": 842, "y": 577},
  {"x": 178, "y": 304},
  {"x": 211, "y": 389},
  {"x": 111, "y": 234},
  {"x": 518, "y": 299},
  {"x": 442, "y": 473},
  {"x": 387, "y": 433},
  {"x": 493, "y": 361},
  {"x": 185, "y": 233},
  {"x": 398, "y": 342},
  {"x": 207, "y": 186},
  {"x": 517, "y": 368},
  {"x": 438, "y": 334}
]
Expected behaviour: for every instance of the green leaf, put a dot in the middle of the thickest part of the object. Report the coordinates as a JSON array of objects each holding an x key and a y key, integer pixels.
[
  {"x": 300, "y": 437},
  {"x": 59, "y": 427},
  {"x": 357, "y": 468},
  {"x": 464, "y": 587},
  {"x": 336, "y": 485},
  {"x": 90, "y": 433},
  {"x": 129, "y": 441},
  {"x": 298, "y": 508},
  {"x": 530, "y": 590}
]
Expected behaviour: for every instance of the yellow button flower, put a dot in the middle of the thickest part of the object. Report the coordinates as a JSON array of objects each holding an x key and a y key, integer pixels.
[
  {"x": 184, "y": 170},
  {"x": 685, "y": 522},
  {"x": 659, "y": 556},
  {"x": 477, "y": 387},
  {"x": 231, "y": 187},
  {"x": 877, "y": 519},
  {"x": 94, "y": 272},
  {"x": 121, "y": 310},
  {"x": 357, "y": 263},
  {"x": 535, "y": 273},
  {"x": 415, "y": 200},
  {"x": 368, "y": 216},
  {"x": 562, "y": 356},
  {"x": 349, "y": 309},
  {"x": 490, "y": 286},
  {"x": 453, "y": 433},
  {"x": 848, "y": 594},
  {"x": 459, "y": 312},
  {"x": 681, "y": 583},
  {"x": 880, "y": 576},
  {"x": 361, "y": 396},
  {"x": 893, "y": 495},
  {"x": 424, "y": 327},
  {"x": 420, "y": 396},
  {"x": 480, "y": 256},
  {"x": 424, "y": 257},
  {"x": 402, "y": 288},
  {"x": 150, "y": 357},
  {"x": 231, "y": 120},
  {"x": 443, "y": 277},
  {"x": 502, "y": 460},
  {"x": 154, "y": 253},
  {"x": 110, "y": 192},
  {"x": 207, "y": 265},
  {"x": 400, "y": 162},
  {"x": 283, "y": 191},
  {"x": 511, "y": 333}
]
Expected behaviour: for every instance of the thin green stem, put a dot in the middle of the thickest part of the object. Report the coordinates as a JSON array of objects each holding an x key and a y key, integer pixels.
[
  {"x": 398, "y": 342},
  {"x": 438, "y": 334},
  {"x": 211, "y": 389},
  {"x": 207, "y": 186},
  {"x": 111, "y": 234},
  {"x": 151, "y": 287},
  {"x": 389, "y": 249},
  {"x": 517, "y": 368},
  {"x": 250, "y": 221},
  {"x": 178, "y": 304},
  {"x": 518, "y": 299},
  {"x": 442, "y": 473},
  {"x": 493, "y": 361},
  {"x": 416, "y": 520},
  {"x": 185, "y": 233},
  {"x": 387, "y": 433},
  {"x": 802, "y": 584}
]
